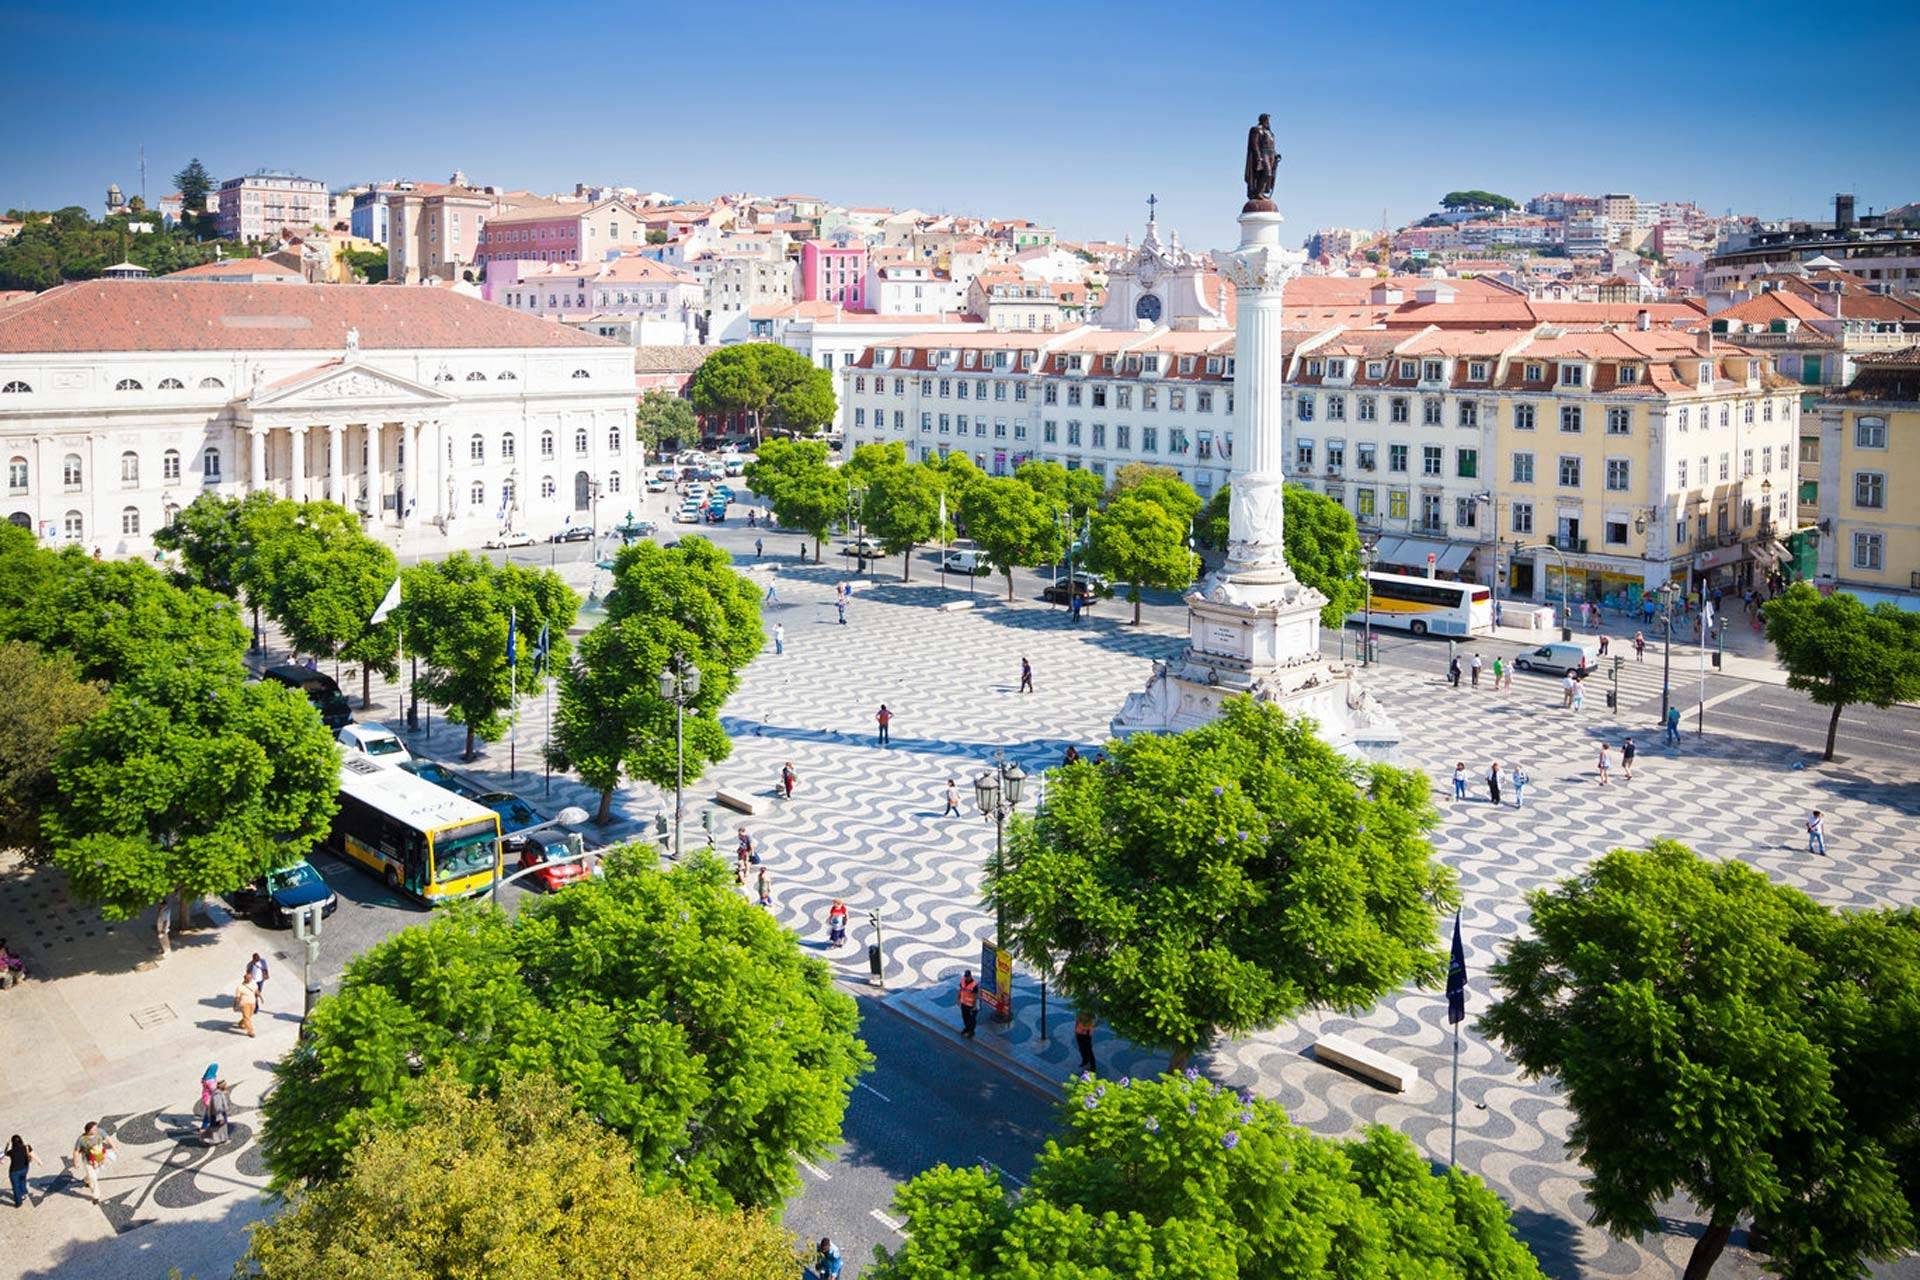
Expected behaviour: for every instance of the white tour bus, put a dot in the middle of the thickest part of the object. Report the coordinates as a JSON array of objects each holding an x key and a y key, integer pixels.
[{"x": 1428, "y": 606}]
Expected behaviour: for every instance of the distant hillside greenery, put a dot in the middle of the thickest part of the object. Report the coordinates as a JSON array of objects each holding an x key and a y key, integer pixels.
[
  {"x": 1476, "y": 201},
  {"x": 68, "y": 244}
]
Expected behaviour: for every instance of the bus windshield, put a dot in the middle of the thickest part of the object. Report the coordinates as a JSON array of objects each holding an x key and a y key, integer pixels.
[{"x": 466, "y": 849}]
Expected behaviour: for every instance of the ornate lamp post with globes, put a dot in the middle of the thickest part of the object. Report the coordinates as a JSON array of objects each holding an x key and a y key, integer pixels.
[
  {"x": 998, "y": 791},
  {"x": 679, "y": 684}
]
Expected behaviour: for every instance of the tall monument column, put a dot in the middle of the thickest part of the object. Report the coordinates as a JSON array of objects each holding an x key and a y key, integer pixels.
[{"x": 1259, "y": 269}]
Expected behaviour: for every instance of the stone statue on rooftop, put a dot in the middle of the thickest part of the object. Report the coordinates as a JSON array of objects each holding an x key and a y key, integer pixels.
[{"x": 1262, "y": 161}]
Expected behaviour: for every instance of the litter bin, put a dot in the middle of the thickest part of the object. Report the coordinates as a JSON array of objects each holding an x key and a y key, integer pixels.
[{"x": 873, "y": 958}]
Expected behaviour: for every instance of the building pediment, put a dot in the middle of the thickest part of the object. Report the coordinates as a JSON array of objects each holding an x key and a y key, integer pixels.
[{"x": 338, "y": 383}]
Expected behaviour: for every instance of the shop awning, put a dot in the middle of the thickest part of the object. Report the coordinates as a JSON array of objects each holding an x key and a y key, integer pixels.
[{"x": 1412, "y": 553}]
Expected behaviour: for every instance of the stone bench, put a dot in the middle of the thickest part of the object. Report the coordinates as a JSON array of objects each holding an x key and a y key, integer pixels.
[
  {"x": 1341, "y": 1052},
  {"x": 955, "y": 606},
  {"x": 739, "y": 800}
]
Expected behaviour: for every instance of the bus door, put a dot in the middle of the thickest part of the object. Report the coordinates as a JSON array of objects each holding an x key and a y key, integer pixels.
[{"x": 405, "y": 851}]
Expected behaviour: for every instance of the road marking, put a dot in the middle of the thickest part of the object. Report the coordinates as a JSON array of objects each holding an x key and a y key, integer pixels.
[
  {"x": 875, "y": 1092},
  {"x": 1719, "y": 698},
  {"x": 887, "y": 1222},
  {"x": 814, "y": 1169},
  {"x": 1002, "y": 1172}
]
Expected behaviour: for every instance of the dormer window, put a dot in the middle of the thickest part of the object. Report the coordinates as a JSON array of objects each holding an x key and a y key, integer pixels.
[
  {"x": 1477, "y": 371},
  {"x": 1629, "y": 374},
  {"x": 1753, "y": 369},
  {"x": 1573, "y": 375},
  {"x": 1186, "y": 364},
  {"x": 1376, "y": 368},
  {"x": 1213, "y": 364},
  {"x": 1409, "y": 368},
  {"x": 1106, "y": 364},
  {"x": 1336, "y": 368},
  {"x": 1073, "y": 364},
  {"x": 1314, "y": 368},
  {"x": 1706, "y": 372},
  {"x": 1535, "y": 373},
  {"x": 1433, "y": 370},
  {"x": 967, "y": 360}
]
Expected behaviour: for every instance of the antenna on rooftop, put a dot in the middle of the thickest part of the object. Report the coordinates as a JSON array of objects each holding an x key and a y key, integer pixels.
[{"x": 143, "y": 173}]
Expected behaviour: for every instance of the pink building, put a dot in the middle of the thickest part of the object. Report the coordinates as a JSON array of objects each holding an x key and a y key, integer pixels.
[
  {"x": 556, "y": 232},
  {"x": 834, "y": 272}
]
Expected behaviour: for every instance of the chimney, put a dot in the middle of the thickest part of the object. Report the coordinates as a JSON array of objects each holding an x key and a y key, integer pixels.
[
  {"x": 1643, "y": 320},
  {"x": 1843, "y": 211}
]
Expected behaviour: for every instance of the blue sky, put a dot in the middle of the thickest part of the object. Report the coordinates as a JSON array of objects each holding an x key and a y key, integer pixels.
[{"x": 1065, "y": 113}]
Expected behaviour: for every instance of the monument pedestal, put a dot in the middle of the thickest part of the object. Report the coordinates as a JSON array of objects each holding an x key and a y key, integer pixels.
[{"x": 1254, "y": 628}]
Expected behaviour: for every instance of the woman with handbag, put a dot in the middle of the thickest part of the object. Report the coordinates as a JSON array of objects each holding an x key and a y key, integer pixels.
[{"x": 91, "y": 1152}]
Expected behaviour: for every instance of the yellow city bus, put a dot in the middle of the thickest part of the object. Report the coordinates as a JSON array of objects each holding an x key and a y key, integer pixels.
[
  {"x": 1428, "y": 605},
  {"x": 431, "y": 843}
]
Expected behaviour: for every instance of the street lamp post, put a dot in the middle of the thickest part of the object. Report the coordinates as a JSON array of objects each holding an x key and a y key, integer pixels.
[
  {"x": 1367, "y": 552},
  {"x": 998, "y": 791},
  {"x": 1667, "y": 593},
  {"x": 679, "y": 684}
]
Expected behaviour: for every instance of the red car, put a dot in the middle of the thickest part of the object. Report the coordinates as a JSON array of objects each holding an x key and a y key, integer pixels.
[{"x": 538, "y": 853}]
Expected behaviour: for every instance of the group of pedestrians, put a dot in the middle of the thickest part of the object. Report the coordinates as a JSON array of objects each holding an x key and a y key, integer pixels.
[
  {"x": 1516, "y": 777},
  {"x": 250, "y": 998},
  {"x": 1502, "y": 671}
]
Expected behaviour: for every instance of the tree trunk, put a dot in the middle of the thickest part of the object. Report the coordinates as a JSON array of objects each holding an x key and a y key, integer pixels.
[
  {"x": 1833, "y": 729},
  {"x": 906, "y": 564},
  {"x": 1179, "y": 1060},
  {"x": 469, "y": 753},
  {"x": 1136, "y": 604},
  {"x": 182, "y": 908},
  {"x": 1009, "y": 585},
  {"x": 605, "y": 813},
  {"x": 366, "y": 686},
  {"x": 817, "y": 540},
  {"x": 1707, "y": 1250}
]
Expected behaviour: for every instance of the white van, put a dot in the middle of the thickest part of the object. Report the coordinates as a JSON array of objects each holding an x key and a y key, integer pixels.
[
  {"x": 965, "y": 556},
  {"x": 1560, "y": 657}
]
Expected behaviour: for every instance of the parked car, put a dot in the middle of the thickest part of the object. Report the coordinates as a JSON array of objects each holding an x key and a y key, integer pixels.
[
  {"x": 1560, "y": 657},
  {"x": 515, "y": 814},
  {"x": 657, "y": 483},
  {"x": 573, "y": 533},
  {"x": 501, "y": 541},
  {"x": 965, "y": 557},
  {"x": 735, "y": 466},
  {"x": 668, "y": 474},
  {"x": 270, "y": 900},
  {"x": 1062, "y": 591},
  {"x": 724, "y": 492},
  {"x": 689, "y": 513},
  {"x": 531, "y": 852},
  {"x": 376, "y": 742},
  {"x": 865, "y": 548},
  {"x": 441, "y": 776},
  {"x": 320, "y": 689},
  {"x": 632, "y": 528}
]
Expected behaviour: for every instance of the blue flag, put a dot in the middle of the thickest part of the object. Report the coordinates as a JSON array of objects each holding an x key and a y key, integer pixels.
[
  {"x": 1457, "y": 977},
  {"x": 512, "y": 625},
  {"x": 541, "y": 648}
]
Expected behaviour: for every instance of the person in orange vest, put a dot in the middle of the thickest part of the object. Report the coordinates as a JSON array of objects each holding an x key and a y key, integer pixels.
[
  {"x": 1083, "y": 1040},
  {"x": 969, "y": 1003}
]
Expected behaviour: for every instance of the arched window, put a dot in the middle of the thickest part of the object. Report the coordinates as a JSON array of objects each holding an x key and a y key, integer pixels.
[
  {"x": 546, "y": 444},
  {"x": 210, "y": 466},
  {"x": 476, "y": 376},
  {"x": 171, "y": 514},
  {"x": 546, "y": 486},
  {"x": 613, "y": 482},
  {"x": 477, "y": 447},
  {"x": 172, "y": 384},
  {"x": 507, "y": 493},
  {"x": 170, "y": 466},
  {"x": 127, "y": 384},
  {"x": 15, "y": 388},
  {"x": 580, "y": 373},
  {"x": 580, "y": 441},
  {"x": 507, "y": 446},
  {"x": 613, "y": 438},
  {"x": 129, "y": 468},
  {"x": 582, "y": 491},
  {"x": 443, "y": 376},
  {"x": 130, "y": 521},
  {"x": 16, "y": 474},
  {"x": 212, "y": 384},
  {"x": 21, "y": 520},
  {"x": 478, "y": 494},
  {"x": 71, "y": 474},
  {"x": 74, "y": 525},
  {"x": 506, "y": 375}
]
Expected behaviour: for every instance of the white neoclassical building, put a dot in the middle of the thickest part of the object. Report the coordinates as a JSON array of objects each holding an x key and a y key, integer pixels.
[{"x": 120, "y": 401}]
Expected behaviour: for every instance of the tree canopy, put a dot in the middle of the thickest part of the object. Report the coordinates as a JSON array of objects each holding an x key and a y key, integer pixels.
[
  {"x": 1476, "y": 201},
  {"x": 69, "y": 244},
  {"x": 1840, "y": 653},
  {"x": 686, "y": 1019},
  {"x": 456, "y": 613},
  {"x": 797, "y": 482},
  {"x": 902, "y": 510},
  {"x": 776, "y": 386},
  {"x": 1321, "y": 539},
  {"x": 1138, "y": 542},
  {"x": 1728, "y": 1037},
  {"x": 193, "y": 183},
  {"x": 44, "y": 701},
  {"x": 1014, "y": 523},
  {"x": 1078, "y": 491},
  {"x": 321, "y": 577},
  {"x": 661, "y": 416},
  {"x": 612, "y": 721},
  {"x": 216, "y": 539},
  {"x": 524, "y": 1182},
  {"x": 1180, "y": 1177},
  {"x": 1239, "y": 873}
]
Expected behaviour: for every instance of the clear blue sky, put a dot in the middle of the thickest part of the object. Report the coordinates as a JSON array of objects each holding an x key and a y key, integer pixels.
[{"x": 1065, "y": 113}]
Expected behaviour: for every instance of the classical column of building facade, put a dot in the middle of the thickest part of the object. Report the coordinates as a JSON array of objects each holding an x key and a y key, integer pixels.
[
  {"x": 298, "y": 474},
  {"x": 257, "y": 457},
  {"x": 337, "y": 462}
]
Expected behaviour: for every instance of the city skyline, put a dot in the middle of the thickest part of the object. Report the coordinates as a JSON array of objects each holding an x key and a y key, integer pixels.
[{"x": 1163, "y": 113}]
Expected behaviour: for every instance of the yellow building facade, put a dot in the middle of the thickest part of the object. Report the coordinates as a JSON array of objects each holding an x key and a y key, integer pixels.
[{"x": 1870, "y": 479}]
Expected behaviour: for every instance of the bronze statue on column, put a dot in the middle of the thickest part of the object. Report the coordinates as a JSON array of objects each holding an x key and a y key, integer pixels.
[{"x": 1263, "y": 159}]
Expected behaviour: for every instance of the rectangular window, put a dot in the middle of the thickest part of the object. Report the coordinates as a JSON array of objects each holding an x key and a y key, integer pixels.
[
  {"x": 1397, "y": 409},
  {"x": 1396, "y": 504},
  {"x": 1397, "y": 457},
  {"x": 1123, "y": 437},
  {"x": 1431, "y": 457},
  {"x": 1616, "y": 531},
  {"x": 1336, "y": 408},
  {"x": 1150, "y": 398},
  {"x": 1433, "y": 370},
  {"x": 1617, "y": 475},
  {"x": 1149, "y": 439},
  {"x": 1870, "y": 490},
  {"x": 1477, "y": 371},
  {"x": 1570, "y": 417},
  {"x": 1535, "y": 372},
  {"x": 859, "y": 417},
  {"x": 1569, "y": 471},
  {"x": 1049, "y": 432},
  {"x": 1469, "y": 413},
  {"x": 1430, "y": 413},
  {"x": 1303, "y": 455},
  {"x": 1573, "y": 375},
  {"x": 1303, "y": 408},
  {"x": 1868, "y": 551},
  {"x": 1368, "y": 409},
  {"x": 1203, "y": 401},
  {"x": 1467, "y": 463},
  {"x": 926, "y": 424},
  {"x": 1869, "y": 433},
  {"x": 1523, "y": 468},
  {"x": 1680, "y": 475},
  {"x": 1123, "y": 398},
  {"x": 1099, "y": 435},
  {"x": 1619, "y": 422},
  {"x": 1726, "y": 466},
  {"x": 1363, "y": 502},
  {"x": 1073, "y": 433},
  {"x": 1746, "y": 463},
  {"x": 1336, "y": 455},
  {"x": 1367, "y": 455},
  {"x": 1409, "y": 369},
  {"x": 1466, "y": 513},
  {"x": 1522, "y": 517},
  {"x": 1523, "y": 417},
  {"x": 1073, "y": 395},
  {"x": 946, "y": 424},
  {"x": 1766, "y": 459}
]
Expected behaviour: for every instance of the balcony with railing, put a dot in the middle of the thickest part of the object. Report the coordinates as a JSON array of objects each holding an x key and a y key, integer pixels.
[
  {"x": 1432, "y": 527},
  {"x": 1566, "y": 542}
]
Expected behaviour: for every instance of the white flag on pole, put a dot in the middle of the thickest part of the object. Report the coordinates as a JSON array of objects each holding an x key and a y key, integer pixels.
[
  {"x": 943, "y": 519},
  {"x": 388, "y": 603}
]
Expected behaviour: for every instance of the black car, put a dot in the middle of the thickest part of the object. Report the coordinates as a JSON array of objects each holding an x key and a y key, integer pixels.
[
  {"x": 268, "y": 900},
  {"x": 573, "y": 533},
  {"x": 322, "y": 692},
  {"x": 1057, "y": 592}
]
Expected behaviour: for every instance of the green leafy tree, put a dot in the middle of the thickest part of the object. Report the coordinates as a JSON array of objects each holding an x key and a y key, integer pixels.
[
  {"x": 1136, "y": 541},
  {"x": 661, "y": 416},
  {"x": 522, "y": 1180},
  {"x": 457, "y": 612},
  {"x": 686, "y": 1018},
  {"x": 1180, "y": 1177},
  {"x": 1014, "y": 523},
  {"x": 189, "y": 782},
  {"x": 1321, "y": 539},
  {"x": 1840, "y": 653},
  {"x": 1210, "y": 526},
  {"x": 44, "y": 702},
  {"x": 803, "y": 490},
  {"x": 1729, "y": 1038},
  {"x": 1477, "y": 201},
  {"x": 612, "y": 722},
  {"x": 1076, "y": 492},
  {"x": 773, "y": 385},
  {"x": 657, "y": 237},
  {"x": 870, "y": 460},
  {"x": 369, "y": 266},
  {"x": 322, "y": 578},
  {"x": 194, "y": 184},
  {"x": 214, "y": 537},
  {"x": 1240, "y": 873},
  {"x": 902, "y": 510}
]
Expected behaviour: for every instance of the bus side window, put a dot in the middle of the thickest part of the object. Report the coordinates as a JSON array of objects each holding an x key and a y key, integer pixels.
[
  {"x": 392, "y": 838},
  {"x": 416, "y": 859}
]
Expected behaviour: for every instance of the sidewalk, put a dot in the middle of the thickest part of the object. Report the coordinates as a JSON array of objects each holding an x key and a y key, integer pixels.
[{"x": 105, "y": 1030}]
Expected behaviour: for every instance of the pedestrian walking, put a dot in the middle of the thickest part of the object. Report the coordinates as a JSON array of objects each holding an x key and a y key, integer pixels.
[
  {"x": 1477, "y": 664},
  {"x": 953, "y": 801},
  {"x": 1817, "y": 834},
  {"x": 969, "y": 1003},
  {"x": 764, "y": 888},
  {"x": 1604, "y": 642},
  {"x": 1579, "y": 694},
  {"x": 257, "y": 974},
  {"x": 759, "y": 547},
  {"x": 19, "y": 1157},
  {"x": 1606, "y": 760},
  {"x": 1493, "y": 783},
  {"x": 1639, "y": 646},
  {"x": 773, "y": 593},
  {"x": 779, "y": 638},
  {"x": 163, "y": 925},
  {"x": 1627, "y": 752},
  {"x": 1568, "y": 687},
  {"x": 218, "y": 1112},
  {"x": 1026, "y": 676},
  {"x": 1673, "y": 726},
  {"x": 1520, "y": 778},
  {"x": 1499, "y": 673},
  {"x": 91, "y": 1152},
  {"x": 245, "y": 1001},
  {"x": 209, "y": 1081},
  {"x": 788, "y": 777},
  {"x": 826, "y": 1261},
  {"x": 1083, "y": 1039},
  {"x": 743, "y": 850},
  {"x": 1453, "y": 671},
  {"x": 837, "y": 924},
  {"x": 840, "y": 606},
  {"x": 883, "y": 718},
  {"x": 803, "y": 551},
  {"x": 1460, "y": 780},
  {"x": 1073, "y": 607}
]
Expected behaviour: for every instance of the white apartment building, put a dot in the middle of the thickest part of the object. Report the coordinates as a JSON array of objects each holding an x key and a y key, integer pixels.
[{"x": 913, "y": 288}]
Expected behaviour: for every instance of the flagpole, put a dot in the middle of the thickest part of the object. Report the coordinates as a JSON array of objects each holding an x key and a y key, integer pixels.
[
  {"x": 1453, "y": 1145},
  {"x": 513, "y": 677},
  {"x": 1456, "y": 1014},
  {"x": 1700, "y": 719}
]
